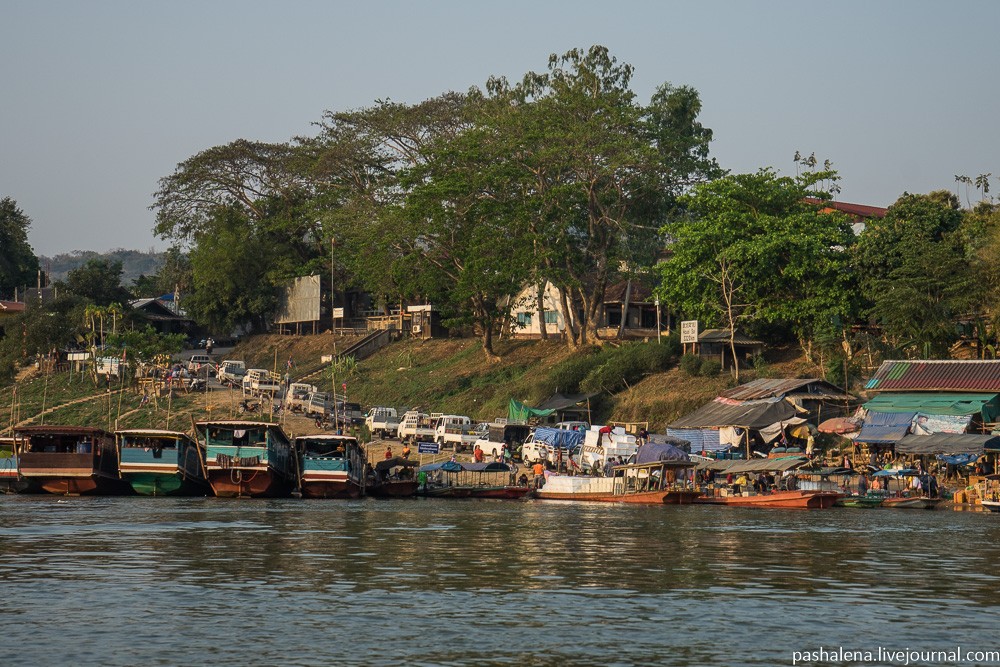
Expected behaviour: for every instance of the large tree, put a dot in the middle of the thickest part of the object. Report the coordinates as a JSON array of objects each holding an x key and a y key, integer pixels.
[
  {"x": 18, "y": 263},
  {"x": 749, "y": 248},
  {"x": 100, "y": 281}
]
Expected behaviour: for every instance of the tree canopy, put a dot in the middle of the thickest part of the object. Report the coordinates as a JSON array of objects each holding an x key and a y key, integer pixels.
[{"x": 18, "y": 263}]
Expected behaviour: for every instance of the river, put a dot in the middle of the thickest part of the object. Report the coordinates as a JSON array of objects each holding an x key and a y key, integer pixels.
[{"x": 205, "y": 581}]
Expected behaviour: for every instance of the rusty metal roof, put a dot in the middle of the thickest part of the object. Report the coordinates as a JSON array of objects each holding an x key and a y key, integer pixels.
[
  {"x": 778, "y": 388},
  {"x": 39, "y": 429},
  {"x": 966, "y": 376}
]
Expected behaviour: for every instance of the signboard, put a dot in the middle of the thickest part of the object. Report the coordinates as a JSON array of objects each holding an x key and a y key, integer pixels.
[
  {"x": 338, "y": 312},
  {"x": 689, "y": 331},
  {"x": 428, "y": 448},
  {"x": 326, "y": 359},
  {"x": 300, "y": 301}
]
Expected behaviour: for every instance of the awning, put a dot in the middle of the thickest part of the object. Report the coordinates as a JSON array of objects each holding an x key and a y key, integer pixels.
[
  {"x": 754, "y": 465},
  {"x": 519, "y": 412},
  {"x": 749, "y": 414},
  {"x": 931, "y": 403},
  {"x": 947, "y": 443},
  {"x": 885, "y": 427}
]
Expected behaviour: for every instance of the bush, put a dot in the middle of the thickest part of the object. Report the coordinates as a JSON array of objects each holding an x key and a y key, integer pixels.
[
  {"x": 711, "y": 368},
  {"x": 567, "y": 376},
  {"x": 691, "y": 364}
]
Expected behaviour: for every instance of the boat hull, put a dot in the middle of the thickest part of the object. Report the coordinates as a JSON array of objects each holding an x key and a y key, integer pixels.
[
  {"x": 992, "y": 505},
  {"x": 642, "y": 498},
  {"x": 243, "y": 483},
  {"x": 394, "y": 489},
  {"x": 912, "y": 503},
  {"x": 496, "y": 493},
  {"x": 330, "y": 489},
  {"x": 166, "y": 484},
  {"x": 781, "y": 499},
  {"x": 860, "y": 502},
  {"x": 81, "y": 486}
]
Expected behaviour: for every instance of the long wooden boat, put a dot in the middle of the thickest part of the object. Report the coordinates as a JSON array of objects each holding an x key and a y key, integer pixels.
[
  {"x": 494, "y": 480},
  {"x": 162, "y": 463},
  {"x": 10, "y": 479},
  {"x": 393, "y": 478},
  {"x": 246, "y": 459},
  {"x": 797, "y": 499},
  {"x": 644, "y": 483},
  {"x": 332, "y": 466},
  {"x": 868, "y": 501},
  {"x": 492, "y": 492},
  {"x": 912, "y": 502},
  {"x": 69, "y": 460}
]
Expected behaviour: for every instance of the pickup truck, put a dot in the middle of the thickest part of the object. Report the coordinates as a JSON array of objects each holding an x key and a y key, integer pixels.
[
  {"x": 231, "y": 372},
  {"x": 259, "y": 381},
  {"x": 297, "y": 396},
  {"x": 455, "y": 430},
  {"x": 382, "y": 422},
  {"x": 416, "y": 425}
]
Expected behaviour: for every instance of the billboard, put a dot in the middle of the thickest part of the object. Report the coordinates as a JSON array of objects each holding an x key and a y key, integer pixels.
[
  {"x": 300, "y": 301},
  {"x": 689, "y": 331}
]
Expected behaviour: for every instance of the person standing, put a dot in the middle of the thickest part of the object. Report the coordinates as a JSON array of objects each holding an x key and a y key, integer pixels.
[
  {"x": 388, "y": 452},
  {"x": 406, "y": 451}
]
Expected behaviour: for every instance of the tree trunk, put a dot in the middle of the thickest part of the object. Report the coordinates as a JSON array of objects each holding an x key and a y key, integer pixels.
[
  {"x": 572, "y": 332},
  {"x": 625, "y": 305},
  {"x": 540, "y": 304}
]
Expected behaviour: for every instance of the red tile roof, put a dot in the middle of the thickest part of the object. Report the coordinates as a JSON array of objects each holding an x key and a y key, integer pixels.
[
  {"x": 855, "y": 210},
  {"x": 967, "y": 376}
]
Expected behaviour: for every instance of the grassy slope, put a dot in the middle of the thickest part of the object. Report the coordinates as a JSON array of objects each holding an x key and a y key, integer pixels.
[{"x": 449, "y": 376}]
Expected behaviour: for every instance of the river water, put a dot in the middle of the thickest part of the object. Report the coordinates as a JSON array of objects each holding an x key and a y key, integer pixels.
[{"x": 157, "y": 581}]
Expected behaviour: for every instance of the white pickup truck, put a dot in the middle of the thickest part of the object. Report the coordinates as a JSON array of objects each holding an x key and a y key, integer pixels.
[
  {"x": 382, "y": 422},
  {"x": 231, "y": 372},
  {"x": 259, "y": 381},
  {"x": 416, "y": 425},
  {"x": 297, "y": 396},
  {"x": 455, "y": 430}
]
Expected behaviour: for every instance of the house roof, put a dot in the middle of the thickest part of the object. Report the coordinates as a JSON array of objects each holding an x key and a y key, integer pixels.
[
  {"x": 966, "y": 376},
  {"x": 947, "y": 443},
  {"x": 641, "y": 293},
  {"x": 809, "y": 388},
  {"x": 156, "y": 310},
  {"x": 931, "y": 404},
  {"x": 855, "y": 210},
  {"x": 722, "y": 336},
  {"x": 751, "y": 414}
]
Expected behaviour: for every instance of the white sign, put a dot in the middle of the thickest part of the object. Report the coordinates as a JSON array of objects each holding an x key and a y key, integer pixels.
[
  {"x": 326, "y": 359},
  {"x": 689, "y": 331},
  {"x": 338, "y": 312}
]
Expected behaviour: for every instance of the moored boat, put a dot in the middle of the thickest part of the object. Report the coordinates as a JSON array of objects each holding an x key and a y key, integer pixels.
[
  {"x": 247, "y": 459},
  {"x": 162, "y": 463},
  {"x": 10, "y": 480},
  {"x": 912, "y": 502},
  {"x": 992, "y": 505},
  {"x": 494, "y": 480},
  {"x": 69, "y": 460},
  {"x": 332, "y": 466},
  {"x": 795, "y": 499},
  {"x": 867, "y": 501},
  {"x": 643, "y": 483},
  {"x": 393, "y": 478}
]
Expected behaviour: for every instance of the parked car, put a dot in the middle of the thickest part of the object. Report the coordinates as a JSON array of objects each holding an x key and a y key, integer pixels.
[
  {"x": 260, "y": 381},
  {"x": 297, "y": 396},
  {"x": 197, "y": 362},
  {"x": 231, "y": 372},
  {"x": 382, "y": 422}
]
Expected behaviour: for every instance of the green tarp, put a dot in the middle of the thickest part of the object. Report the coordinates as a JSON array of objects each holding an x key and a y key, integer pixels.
[
  {"x": 519, "y": 412},
  {"x": 937, "y": 404}
]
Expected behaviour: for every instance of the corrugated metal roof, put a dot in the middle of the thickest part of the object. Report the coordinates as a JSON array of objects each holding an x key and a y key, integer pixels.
[
  {"x": 722, "y": 336},
  {"x": 970, "y": 376},
  {"x": 752, "y": 414},
  {"x": 947, "y": 443},
  {"x": 778, "y": 388},
  {"x": 930, "y": 404}
]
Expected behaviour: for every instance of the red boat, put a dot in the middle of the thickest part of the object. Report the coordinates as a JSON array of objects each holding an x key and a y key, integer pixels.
[
  {"x": 797, "y": 499},
  {"x": 69, "y": 460}
]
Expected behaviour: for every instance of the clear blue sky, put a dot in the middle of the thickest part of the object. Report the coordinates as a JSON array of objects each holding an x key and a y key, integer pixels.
[{"x": 101, "y": 98}]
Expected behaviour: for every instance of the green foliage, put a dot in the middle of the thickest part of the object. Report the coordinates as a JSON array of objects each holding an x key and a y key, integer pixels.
[
  {"x": 749, "y": 248},
  {"x": 566, "y": 377},
  {"x": 691, "y": 364},
  {"x": 710, "y": 368},
  {"x": 39, "y": 330},
  {"x": 18, "y": 263},
  {"x": 143, "y": 344},
  {"x": 99, "y": 281}
]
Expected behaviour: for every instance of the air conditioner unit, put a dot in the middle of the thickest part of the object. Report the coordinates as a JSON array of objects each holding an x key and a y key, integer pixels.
[{"x": 417, "y": 328}]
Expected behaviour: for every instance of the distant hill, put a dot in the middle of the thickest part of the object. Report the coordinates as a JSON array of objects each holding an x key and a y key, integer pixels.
[{"x": 134, "y": 262}]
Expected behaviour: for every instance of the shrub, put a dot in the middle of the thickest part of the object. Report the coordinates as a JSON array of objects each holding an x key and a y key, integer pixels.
[
  {"x": 691, "y": 364},
  {"x": 711, "y": 368}
]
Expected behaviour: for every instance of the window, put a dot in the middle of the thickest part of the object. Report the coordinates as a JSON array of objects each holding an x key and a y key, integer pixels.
[
  {"x": 551, "y": 317},
  {"x": 524, "y": 320}
]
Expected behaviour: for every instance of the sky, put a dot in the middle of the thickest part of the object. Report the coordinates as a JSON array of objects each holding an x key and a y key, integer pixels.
[{"x": 100, "y": 99}]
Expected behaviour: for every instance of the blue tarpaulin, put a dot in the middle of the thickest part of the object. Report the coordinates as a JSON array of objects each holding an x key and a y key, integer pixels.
[
  {"x": 653, "y": 452},
  {"x": 885, "y": 427},
  {"x": 559, "y": 438}
]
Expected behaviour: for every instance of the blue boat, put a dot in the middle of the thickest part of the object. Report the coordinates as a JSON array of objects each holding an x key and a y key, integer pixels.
[
  {"x": 333, "y": 466},
  {"x": 162, "y": 463},
  {"x": 248, "y": 459}
]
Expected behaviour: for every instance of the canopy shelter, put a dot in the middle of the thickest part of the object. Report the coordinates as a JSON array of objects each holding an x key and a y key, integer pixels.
[
  {"x": 883, "y": 428},
  {"x": 385, "y": 466},
  {"x": 938, "y": 404},
  {"x": 946, "y": 443},
  {"x": 656, "y": 452},
  {"x": 661, "y": 439},
  {"x": 754, "y": 415},
  {"x": 754, "y": 465},
  {"x": 519, "y": 412},
  {"x": 447, "y": 466}
]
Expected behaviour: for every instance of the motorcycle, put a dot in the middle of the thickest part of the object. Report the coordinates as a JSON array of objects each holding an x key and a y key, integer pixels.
[{"x": 246, "y": 405}]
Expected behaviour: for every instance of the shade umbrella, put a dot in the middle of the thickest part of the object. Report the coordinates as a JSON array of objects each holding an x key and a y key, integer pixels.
[{"x": 840, "y": 425}]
